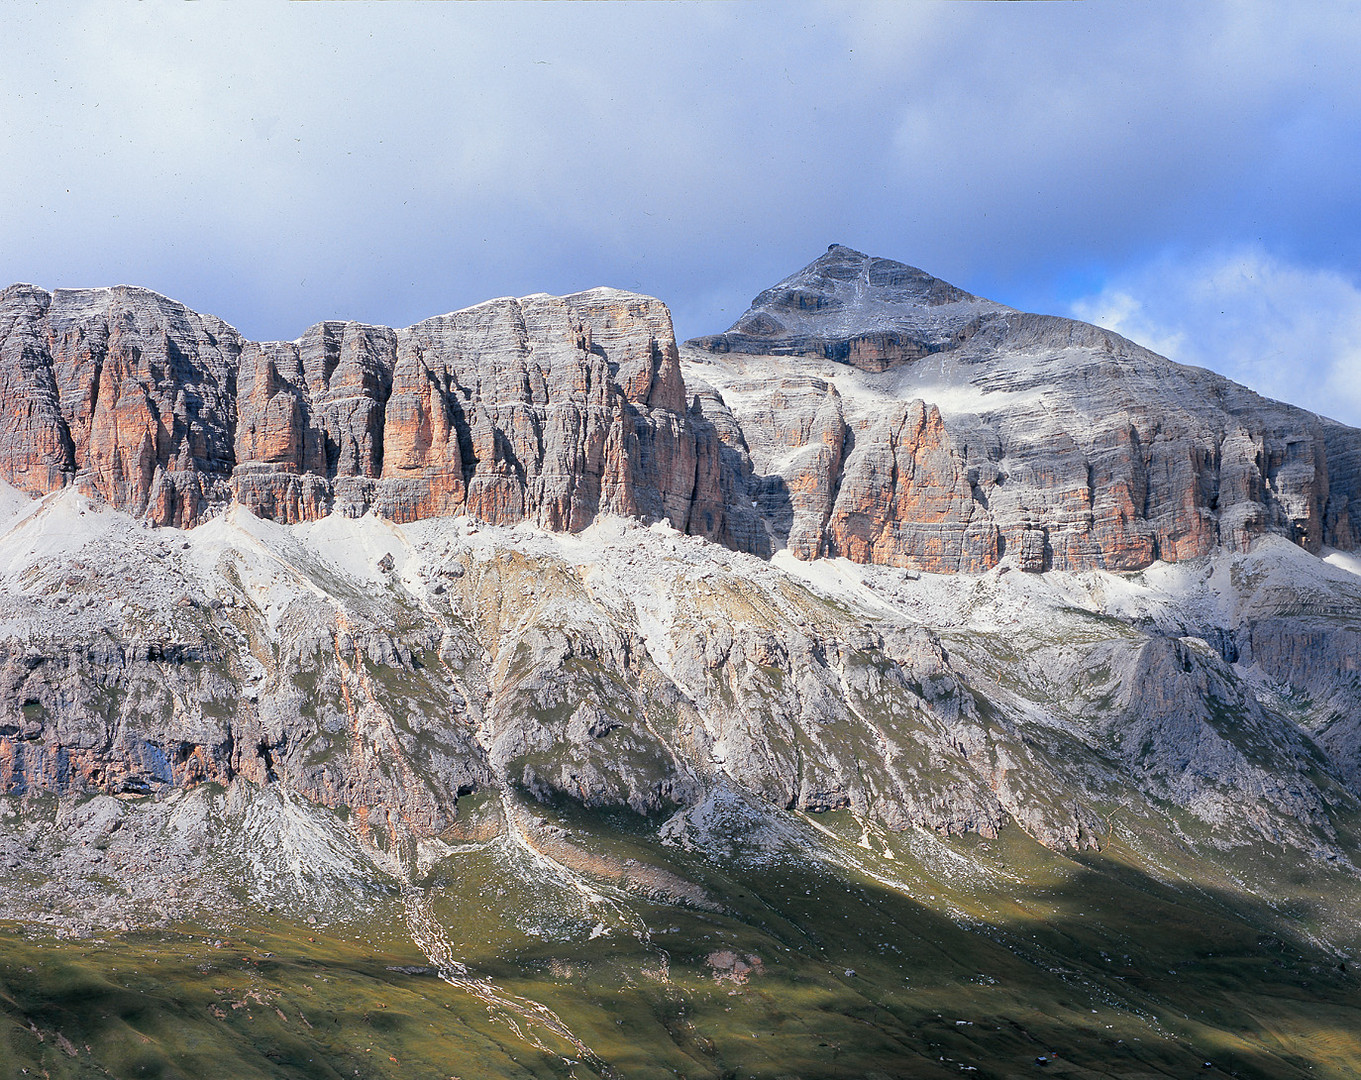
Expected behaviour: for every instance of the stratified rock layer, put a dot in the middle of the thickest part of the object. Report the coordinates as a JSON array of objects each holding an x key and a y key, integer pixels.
[
  {"x": 548, "y": 409},
  {"x": 942, "y": 432},
  {"x": 861, "y": 408}
]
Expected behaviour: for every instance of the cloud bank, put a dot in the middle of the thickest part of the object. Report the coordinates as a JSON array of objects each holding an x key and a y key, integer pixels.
[{"x": 279, "y": 164}]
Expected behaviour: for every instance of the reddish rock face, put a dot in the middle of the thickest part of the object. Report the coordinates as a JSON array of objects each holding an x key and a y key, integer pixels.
[
  {"x": 1056, "y": 442},
  {"x": 908, "y": 488},
  {"x": 551, "y": 409},
  {"x": 1083, "y": 450},
  {"x": 905, "y": 500},
  {"x": 128, "y": 394},
  {"x": 39, "y": 455}
]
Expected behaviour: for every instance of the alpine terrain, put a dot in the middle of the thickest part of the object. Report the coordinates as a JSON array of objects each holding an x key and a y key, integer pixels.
[{"x": 895, "y": 684}]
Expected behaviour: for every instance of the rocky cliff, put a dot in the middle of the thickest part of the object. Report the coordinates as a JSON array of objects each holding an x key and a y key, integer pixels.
[
  {"x": 916, "y": 425},
  {"x": 861, "y": 408},
  {"x": 543, "y": 409}
]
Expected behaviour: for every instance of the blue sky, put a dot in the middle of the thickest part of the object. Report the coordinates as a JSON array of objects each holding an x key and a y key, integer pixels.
[{"x": 1185, "y": 173}]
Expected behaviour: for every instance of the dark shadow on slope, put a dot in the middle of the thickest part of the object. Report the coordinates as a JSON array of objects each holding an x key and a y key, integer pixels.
[
  {"x": 1115, "y": 972},
  {"x": 805, "y": 971}
]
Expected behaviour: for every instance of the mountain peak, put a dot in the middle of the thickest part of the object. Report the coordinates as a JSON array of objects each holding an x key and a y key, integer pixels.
[{"x": 856, "y": 308}]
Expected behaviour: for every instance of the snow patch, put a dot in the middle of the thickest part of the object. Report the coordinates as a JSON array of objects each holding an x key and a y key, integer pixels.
[{"x": 1349, "y": 561}]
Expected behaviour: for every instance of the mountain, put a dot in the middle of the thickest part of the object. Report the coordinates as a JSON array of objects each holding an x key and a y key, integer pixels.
[
  {"x": 916, "y": 425},
  {"x": 932, "y": 429},
  {"x": 544, "y": 409},
  {"x": 894, "y": 685}
]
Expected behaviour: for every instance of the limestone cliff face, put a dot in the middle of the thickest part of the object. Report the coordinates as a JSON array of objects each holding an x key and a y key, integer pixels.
[
  {"x": 906, "y": 497},
  {"x": 861, "y": 408},
  {"x": 129, "y": 393},
  {"x": 547, "y": 409},
  {"x": 966, "y": 433}
]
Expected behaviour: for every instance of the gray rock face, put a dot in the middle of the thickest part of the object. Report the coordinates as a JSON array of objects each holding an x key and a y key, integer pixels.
[
  {"x": 547, "y": 409},
  {"x": 1060, "y": 443},
  {"x": 871, "y": 313}
]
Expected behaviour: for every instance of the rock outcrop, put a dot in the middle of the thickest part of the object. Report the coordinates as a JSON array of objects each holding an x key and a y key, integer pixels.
[
  {"x": 906, "y": 499},
  {"x": 861, "y": 408},
  {"x": 131, "y": 394},
  {"x": 873, "y": 314},
  {"x": 970, "y": 432},
  {"x": 547, "y": 409}
]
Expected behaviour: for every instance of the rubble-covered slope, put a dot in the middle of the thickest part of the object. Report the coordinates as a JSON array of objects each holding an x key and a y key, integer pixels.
[
  {"x": 385, "y": 671},
  {"x": 548, "y": 782}
]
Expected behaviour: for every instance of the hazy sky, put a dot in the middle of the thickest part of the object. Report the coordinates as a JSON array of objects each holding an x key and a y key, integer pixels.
[{"x": 1184, "y": 173}]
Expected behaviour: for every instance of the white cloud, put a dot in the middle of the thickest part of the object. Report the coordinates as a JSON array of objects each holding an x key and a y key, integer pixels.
[
  {"x": 1290, "y": 332},
  {"x": 278, "y": 164}
]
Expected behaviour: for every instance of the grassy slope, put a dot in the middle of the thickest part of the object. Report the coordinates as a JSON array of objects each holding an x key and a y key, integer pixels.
[{"x": 1057, "y": 957}]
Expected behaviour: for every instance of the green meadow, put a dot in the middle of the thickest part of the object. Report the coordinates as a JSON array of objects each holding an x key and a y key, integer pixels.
[{"x": 884, "y": 955}]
